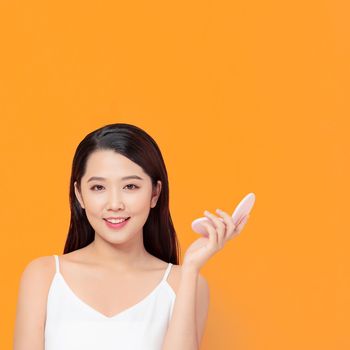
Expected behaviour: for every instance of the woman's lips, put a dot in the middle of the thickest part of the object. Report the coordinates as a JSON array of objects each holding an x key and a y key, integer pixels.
[{"x": 116, "y": 226}]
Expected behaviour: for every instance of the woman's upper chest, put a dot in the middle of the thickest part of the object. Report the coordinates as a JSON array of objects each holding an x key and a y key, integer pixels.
[{"x": 110, "y": 292}]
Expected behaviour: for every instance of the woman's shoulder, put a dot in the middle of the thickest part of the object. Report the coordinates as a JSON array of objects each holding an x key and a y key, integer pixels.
[
  {"x": 40, "y": 271},
  {"x": 36, "y": 277},
  {"x": 31, "y": 300},
  {"x": 40, "y": 264},
  {"x": 174, "y": 277}
]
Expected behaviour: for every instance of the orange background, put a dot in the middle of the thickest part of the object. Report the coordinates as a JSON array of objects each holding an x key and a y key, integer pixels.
[{"x": 243, "y": 96}]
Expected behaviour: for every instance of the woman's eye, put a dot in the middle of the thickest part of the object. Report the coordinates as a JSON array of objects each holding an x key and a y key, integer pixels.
[
  {"x": 96, "y": 186},
  {"x": 132, "y": 185},
  {"x": 99, "y": 186}
]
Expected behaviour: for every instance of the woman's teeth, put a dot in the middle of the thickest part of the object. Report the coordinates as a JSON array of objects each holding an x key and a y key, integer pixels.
[{"x": 115, "y": 221}]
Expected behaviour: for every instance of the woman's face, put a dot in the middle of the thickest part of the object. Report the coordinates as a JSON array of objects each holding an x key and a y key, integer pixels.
[{"x": 113, "y": 196}]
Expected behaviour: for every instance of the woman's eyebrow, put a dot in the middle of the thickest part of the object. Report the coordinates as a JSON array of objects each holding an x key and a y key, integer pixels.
[{"x": 99, "y": 178}]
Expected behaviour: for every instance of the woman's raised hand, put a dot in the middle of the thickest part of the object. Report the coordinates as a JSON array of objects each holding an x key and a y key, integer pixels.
[{"x": 220, "y": 231}]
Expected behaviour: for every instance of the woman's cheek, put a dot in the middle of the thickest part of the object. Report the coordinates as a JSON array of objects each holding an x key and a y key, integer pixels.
[
  {"x": 96, "y": 201},
  {"x": 136, "y": 204}
]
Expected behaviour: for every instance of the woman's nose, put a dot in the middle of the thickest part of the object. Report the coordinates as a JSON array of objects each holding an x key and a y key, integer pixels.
[{"x": 115, "y": 201}]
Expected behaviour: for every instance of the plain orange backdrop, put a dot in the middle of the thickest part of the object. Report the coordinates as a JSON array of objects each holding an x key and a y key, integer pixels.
[{"x": 241, "y": 96}]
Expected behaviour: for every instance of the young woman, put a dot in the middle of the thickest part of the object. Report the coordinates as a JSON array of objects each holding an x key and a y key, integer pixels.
[{"x": 118, "y": 284}]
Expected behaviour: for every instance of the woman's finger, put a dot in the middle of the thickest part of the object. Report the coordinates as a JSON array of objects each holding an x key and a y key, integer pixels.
[
  {"x": 230, "y": 225},
  {"x": 220, "y": 227},
  {"x": 213, "y": 235}
]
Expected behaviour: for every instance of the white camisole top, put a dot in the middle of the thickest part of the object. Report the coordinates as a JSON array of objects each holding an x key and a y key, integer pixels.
[{"x": 72, "y": 324}]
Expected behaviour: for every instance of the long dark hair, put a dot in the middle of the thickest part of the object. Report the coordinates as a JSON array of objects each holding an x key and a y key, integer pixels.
[{"x": 159, "y": 235}]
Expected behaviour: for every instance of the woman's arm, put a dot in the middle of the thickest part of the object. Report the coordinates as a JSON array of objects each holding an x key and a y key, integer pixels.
[
  {"x": 190, "y": 312},
  {"x": 191, "y": 305},
  {"x": 31, "y": 306}
]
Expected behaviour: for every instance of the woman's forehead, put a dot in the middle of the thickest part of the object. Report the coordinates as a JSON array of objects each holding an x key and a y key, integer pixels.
[{"x": 111, "y": 165}]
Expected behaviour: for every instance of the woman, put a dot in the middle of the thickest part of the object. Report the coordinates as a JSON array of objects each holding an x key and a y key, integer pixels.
[{"x": 118, "y": 284}]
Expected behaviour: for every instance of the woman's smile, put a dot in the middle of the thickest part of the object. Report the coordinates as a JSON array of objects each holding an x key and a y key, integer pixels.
[{"x": 116, "y": 225}]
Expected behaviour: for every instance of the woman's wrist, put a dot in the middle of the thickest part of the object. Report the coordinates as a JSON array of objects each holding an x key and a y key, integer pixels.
[{"x": 190, "y": 269}]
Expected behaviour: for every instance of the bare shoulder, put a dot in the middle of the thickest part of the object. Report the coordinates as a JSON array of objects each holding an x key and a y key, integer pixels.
[
  {"x": 39, "y": 263},
  {"x": 31, "y": 303},
  {"x": 174, "y": 277},
  {"x": 37, "y": 272}
]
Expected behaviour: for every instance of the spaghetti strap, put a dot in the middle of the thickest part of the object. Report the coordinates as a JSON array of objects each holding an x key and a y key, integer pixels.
[
  {"x": 167, "y": 271},
  {"x": 57, "y": 264}
]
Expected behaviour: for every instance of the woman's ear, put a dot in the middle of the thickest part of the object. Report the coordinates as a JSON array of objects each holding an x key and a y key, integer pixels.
[
  {"x": 156, "y": 194},
  {"x": 78, "y": 195}
]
